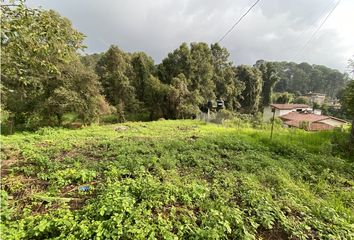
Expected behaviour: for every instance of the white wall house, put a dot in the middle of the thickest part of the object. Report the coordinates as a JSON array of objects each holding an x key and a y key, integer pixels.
[
  {"x": 334, "y": 122},
  {"x": 283, "y": 109}
]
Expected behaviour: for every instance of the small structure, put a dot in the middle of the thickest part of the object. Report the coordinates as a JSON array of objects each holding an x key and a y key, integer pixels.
[
  {"x": 212, "y": 107},
  {"x": 311, "y": 122},
  {"x": 283, "y": 109},
  {"x": 210, "y": 112},
  {"x": 219, "y": 104},
  {"x": 334, "y": 104}
]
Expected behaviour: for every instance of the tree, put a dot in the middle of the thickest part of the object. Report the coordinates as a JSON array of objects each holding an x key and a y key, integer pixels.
[
  {"x": 156, "y": 97},
  {"x": 195, "y": 63},
  {"x": 301, "y": 100},
  {"x": 227, "y": 86},
  {"x": 269, "y": 78},
  {"x": 304, "y": 78},
  {"x": 201, "y": 68},
  {"x": 91, "y": 60},
  {"x": 75, "y": 90},
  {"x": 347, "y": 102},
  {"x": 282, "y": 98},
  {"x": 114, "y": 69},
  {"x": 34, "y": 44},
  {"x": 143, "y": 67},
  {"x": 183, "y": 103},
  {"x": 348, "y": 99},
  {"x": 177, "y": 62},
  {"x": 250, "y": 96}
]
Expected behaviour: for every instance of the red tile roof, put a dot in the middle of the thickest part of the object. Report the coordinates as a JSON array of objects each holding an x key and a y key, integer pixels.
[
  {"x": 308, "y": 117},
  {"x": 314, "y": 126},
  {"x": 288, "y": 106},
  {"x": 295, "y": 119}
]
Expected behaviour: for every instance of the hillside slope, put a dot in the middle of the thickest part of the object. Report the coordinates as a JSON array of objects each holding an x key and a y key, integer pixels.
[{"x": 174, "y": 180}]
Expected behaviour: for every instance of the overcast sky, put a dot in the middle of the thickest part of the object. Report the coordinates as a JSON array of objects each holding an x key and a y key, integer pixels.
[{"x": 274, "y": 30}]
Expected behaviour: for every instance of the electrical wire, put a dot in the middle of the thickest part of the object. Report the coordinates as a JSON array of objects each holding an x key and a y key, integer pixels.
[
  {"x": 302, "y": 34},
  {"x": 238, "y": 21},
  {"x": 317, "y": 30}
]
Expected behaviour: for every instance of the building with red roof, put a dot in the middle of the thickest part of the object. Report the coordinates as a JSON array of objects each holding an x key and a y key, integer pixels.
[
  {"x": 301, "y": 116},
  {"x": 279, "y": 110},
  {"x": 311, "y": 122}
]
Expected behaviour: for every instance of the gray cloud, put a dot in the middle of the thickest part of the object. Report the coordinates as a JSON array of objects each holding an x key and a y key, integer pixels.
[{"x": 274, "y": 30}]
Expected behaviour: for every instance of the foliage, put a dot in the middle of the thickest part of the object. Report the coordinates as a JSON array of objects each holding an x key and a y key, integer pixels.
[
  {"x": 209, "y": 71},
  {"x": 175, "y": 63},
  {"x": 155, "y": 97},
  {"x": 114, "y": 69},
  {"x": 306, "y": 78},
  {"x": 252, "y": 79},
  {"x": 143, "y": 67},
  {"x": 183, "y": 103},
  {"x": 228, "y": 86},
  {"x": 269, "y": 78},
  {"x": 41, "y": 75},
  {"x": 91, "y": 60},
  {"x": 301, "y": 100},
  {"x": 76, "y": 90},
  {"x": 347, "y": 102},
  {"x": 202, "y": 71},
  {"x": 283, "y": 97},
  {"x": 175, "y": 179}
]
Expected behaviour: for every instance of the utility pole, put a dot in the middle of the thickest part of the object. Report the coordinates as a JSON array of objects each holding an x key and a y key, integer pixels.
[{"x": 271, "y": 130}]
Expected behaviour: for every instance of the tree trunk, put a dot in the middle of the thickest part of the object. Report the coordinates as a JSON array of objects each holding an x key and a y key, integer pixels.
[
  {"x": 120, "y": 111},
  {"x": 60, "y": 119},
  {"x": 352, "y": 134},
  {"x": 11, "y": 125}
]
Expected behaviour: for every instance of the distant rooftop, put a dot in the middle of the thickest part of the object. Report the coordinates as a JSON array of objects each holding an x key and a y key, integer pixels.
[
  {"x": 317, "y": 94},
  {"x": 308, "y": 117},
  {"x": 289, "y": 106}
]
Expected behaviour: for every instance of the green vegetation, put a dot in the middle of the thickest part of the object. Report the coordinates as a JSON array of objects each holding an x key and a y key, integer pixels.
[
  {"x": 348, "y": 104},
  {"x": 302, "y": 78},
  {"x": 42, "y": 78},
  {"x": 178, "y": 179}
]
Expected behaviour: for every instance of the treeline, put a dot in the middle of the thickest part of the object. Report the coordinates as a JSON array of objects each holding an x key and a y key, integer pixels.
[
  {"x": 45, "y": 79},
  {"x": 183, "y": 83},
  {"x": 303, "y": 78}
]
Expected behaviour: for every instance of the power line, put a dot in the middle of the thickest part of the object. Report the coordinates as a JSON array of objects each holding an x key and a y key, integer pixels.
[
  {"x": 302, "y": 33},
  {"x": 317, "y": 30},
  {"x": 238, "y": 21}
]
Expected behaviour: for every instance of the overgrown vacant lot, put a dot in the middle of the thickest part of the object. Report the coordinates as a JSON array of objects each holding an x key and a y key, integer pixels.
[{"x": 175, "y": 179}]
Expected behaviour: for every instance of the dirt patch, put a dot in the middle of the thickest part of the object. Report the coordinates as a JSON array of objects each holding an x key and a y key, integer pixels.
[
  {"x": 78, "y": 201},
  {"x": 44, "y": 207},
  {"x": 276, "y": 233},
  {"x": 193, "y": 138},
  {"x": 66, "y": 154},
  {"x": 9, "y": 158},
  {"x": 121, "y": 128},
  {"x": 20, "y": 186},
  {"x": 186, "y": 128}
]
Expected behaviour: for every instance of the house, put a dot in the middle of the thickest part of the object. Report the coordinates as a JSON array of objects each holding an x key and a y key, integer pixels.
[
  {"x": 334, "y": 104},
  {"x": 311, "y": 122},
  {"x": 283, "y": 109},
  {"x": 317, "y": 98}
]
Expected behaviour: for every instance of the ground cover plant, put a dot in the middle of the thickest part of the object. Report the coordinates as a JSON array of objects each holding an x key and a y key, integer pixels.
[{"x": 179, "y": 179}]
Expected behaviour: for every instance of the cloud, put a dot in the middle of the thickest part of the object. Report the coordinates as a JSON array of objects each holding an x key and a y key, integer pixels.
[{"x": 273, "y": 30}]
